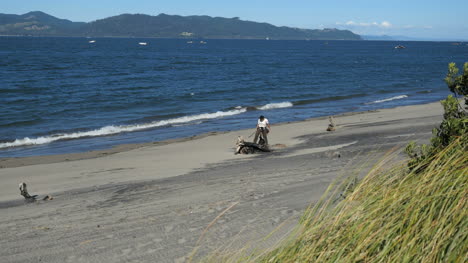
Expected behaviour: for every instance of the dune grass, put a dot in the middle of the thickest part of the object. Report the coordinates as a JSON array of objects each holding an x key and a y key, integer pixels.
[{"x": 392, "y": 215}]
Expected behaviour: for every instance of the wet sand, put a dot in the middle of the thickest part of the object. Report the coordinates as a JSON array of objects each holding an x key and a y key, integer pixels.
[{"x": 152, "y": 202}]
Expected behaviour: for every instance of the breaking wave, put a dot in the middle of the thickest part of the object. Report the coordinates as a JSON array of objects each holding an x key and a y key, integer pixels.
[
  {"x": 389, "y": 99},
  {"x": 111, "y": 130},
  {"x": 279, "y": 105},
  {"x": 269, "y": 106}
]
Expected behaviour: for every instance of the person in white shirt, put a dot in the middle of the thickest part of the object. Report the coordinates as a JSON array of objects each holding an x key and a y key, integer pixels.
[{"x": 263, "y": 127}]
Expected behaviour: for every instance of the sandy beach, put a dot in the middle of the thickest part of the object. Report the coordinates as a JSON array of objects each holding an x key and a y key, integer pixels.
[{"x": 153, "y": 202}]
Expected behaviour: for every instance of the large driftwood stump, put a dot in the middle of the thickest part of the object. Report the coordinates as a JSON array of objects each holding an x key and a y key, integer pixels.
[
  {"x": 244, "y": 147},
  {"x": 31, "y": 198},
  {"x": 331, "y": 126}
]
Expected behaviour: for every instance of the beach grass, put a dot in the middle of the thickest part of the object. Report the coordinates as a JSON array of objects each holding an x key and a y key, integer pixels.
[{"x": 391, "y": 215}]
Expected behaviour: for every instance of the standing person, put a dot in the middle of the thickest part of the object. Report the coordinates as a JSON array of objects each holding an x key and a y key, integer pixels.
[{"x": 263, "y": 126}]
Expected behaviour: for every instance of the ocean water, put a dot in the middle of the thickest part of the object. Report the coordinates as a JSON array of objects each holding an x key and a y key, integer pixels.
[{"x": 63, "y": 95}]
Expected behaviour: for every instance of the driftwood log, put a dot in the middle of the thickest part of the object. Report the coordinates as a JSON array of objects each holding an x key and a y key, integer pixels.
[
  {"x": 31, "y": 198},
  {"x": 243, "y": 147},
  {"x": 331, "y": 126}
]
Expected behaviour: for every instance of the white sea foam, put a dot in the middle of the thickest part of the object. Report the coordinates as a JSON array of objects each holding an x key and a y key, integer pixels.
[
  {"x": 110, "y": 130},
  {"x": 270, "y": 106},
  {"x": 389, "y": 99}
]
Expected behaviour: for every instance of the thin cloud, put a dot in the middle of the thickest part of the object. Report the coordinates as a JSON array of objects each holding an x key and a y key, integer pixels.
[
  {"x": 351, "y": 23},
  {"x": 384, "y": 25}
]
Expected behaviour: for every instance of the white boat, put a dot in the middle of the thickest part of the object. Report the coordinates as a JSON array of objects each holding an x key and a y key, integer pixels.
[
  {"x": 400, "y": 47},
  {"x": 92, "y": 41},
  {"x": 143, "y": 43},
  {"x": 202, "y": 42},
  {"x": 189, "y": 42}
]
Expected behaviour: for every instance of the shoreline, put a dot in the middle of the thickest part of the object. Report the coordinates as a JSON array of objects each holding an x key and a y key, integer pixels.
[
  {"x": 11, "y": 162},
  {"x": 159, "y": 160}
]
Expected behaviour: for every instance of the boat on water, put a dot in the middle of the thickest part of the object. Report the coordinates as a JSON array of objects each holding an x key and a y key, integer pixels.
[
  {"x": 142, "y": 43},
  {"x": 400, "y": 47},
  {"x": 92, "y": 41},
  {"x": 202, "y": 42},
  {"x": 189, "y": 42}
]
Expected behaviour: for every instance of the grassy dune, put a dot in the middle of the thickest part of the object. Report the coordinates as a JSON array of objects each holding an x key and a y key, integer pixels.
[{"x": 392, "y": 215}]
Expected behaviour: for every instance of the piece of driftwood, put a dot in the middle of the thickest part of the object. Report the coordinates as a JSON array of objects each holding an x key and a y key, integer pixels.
[
  {"x": 31, "y": 198},
  {"x": 243, "y": 147},
  {"x": 331, "y": 126}
]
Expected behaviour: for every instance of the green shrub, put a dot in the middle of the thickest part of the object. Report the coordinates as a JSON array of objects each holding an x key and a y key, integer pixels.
[
  {"x": 455, "y": 122},
  {"x": 458, "y": 84},
  {"x": 453, "y": 126}
]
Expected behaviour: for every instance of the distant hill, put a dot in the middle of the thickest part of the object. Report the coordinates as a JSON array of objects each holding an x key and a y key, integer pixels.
[
  {"x": 38, "y": 24},
  {"x": 161, "y": 26}
]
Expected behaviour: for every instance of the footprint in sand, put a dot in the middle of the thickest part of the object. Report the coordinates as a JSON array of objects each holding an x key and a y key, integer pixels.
[
  {"x": 71, "y": 258},
  {"x": 169, "y": 228},
  {"x": 141, "y": 245},
  {"x": 126, "y": 251},
  {"x": 286, "y": 212}
]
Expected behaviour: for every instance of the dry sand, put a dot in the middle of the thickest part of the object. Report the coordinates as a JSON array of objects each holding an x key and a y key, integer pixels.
[{"x": 152, "y": 202}]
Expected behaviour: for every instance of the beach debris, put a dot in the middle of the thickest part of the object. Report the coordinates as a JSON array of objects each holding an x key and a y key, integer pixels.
[
  {"x": 279, "y": 145},
  {"x": 331, "y": 126},
  {"x": 243, "y": 147},
  {"x": 333, "y": 154},
  {"x": 31, "y": 198}
]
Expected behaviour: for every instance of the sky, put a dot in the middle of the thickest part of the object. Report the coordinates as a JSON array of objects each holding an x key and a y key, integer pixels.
[{"x": 430, "y": 19}]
